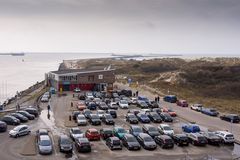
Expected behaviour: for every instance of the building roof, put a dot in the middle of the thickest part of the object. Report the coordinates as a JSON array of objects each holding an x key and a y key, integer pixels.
[{"x": 67, "y": 71}]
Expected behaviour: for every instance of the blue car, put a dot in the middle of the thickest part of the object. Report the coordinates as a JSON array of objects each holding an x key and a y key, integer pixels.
[
  {"x": 210, "y": 111},
  {"x": 143, "y": 118},
  {"x": 170, "y": 98},
  {"x": 92, "y": 106},
  {"x": 191, "y": 128},
  {"x": 145, "y": 99}
]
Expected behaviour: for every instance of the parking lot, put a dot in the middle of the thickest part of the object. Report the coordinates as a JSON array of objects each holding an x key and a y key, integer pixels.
[{"x": 59, "y": 123}]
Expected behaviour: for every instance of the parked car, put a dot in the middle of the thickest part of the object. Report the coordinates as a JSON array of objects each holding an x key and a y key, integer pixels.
[
  {"x": 106, "y": 133},
  {"x": 86, "y": 113},
  {"x": 171, "y": 112},
  {"x": 130, "y": 142},
  {"x": 154, "y": 117},
  {"x": 77, "y": 90},
  {"x": 81, "y": 120},
  {"x": 166, "y": 117},
  {"x": 170, "y": 98},
  {"x": 134, "y": 111},
  {"x": 19, "y": 116},
  {"x": 26, "y": 114},
  {"x": 210, "y": 111},
  {"x": 45, "y": 144},
  {"x": 135, "y": 130},
  {"x": 151, "y": 130},
  {"x": 81, "y": 105},
  {"x": 89, "y": 95},
  {"x": 146, "y": 141},
  {"x": 75, "y": 114},
  {"x": 182, "y": 103},
  {"x": 165, "y": 129},
  {"x": 94, "y": 119},
  {"x": 126, "y": 92},
  {"x": 157, "y": 110},
  {"x": 226, "y": 137},
  {"x": 20, "y": 130},
  {"x": 81, "y": 96},
  {"x": 164, "y": 141},
  {"x": 92, "y": 106},
  {"x": 133, "y": 100},
  {"x": 143, "y": 118},
  {"x": 92, "y": 134},
  {"x": 41, "y": 132},
  {"x": 123, "y": 104},
  {"x": 212, "y": 138},
  {"x": 131, "y": 118},
  {"x": 44, "y": 98},
  {"x": 112, "y": 112},
  {"x": 117, "y": 100},
  {"x": 142, "y": 104},
  {"x": 76, "y": 133},
  {"x": 32, "y": 111},
  {"x": 100, "y": 113},
  {"x": 10, "y": 120},
  {"x": 154, "y": 104},
  {"x": 119, "y": 131},
  {"x": 115, "y": 95},
  {"x": 3, "y": 126},
  {"x": 108, "y": 119},
  {"x": 65, "y": 144},
  {"x": 197, "y": 139},
  {"x": 103, "y": 106},
  {"x": 83, "y": 145},
  {"x": 145, "y": 110},
  {"x": 234, "y": 118},
  {"x": 191, "y": 128},
  {"x": 197, "y": 107},
  {"x": 114, "y": 143},
  {"x": 113, "y": 105},
  {"x": 145, "y": 99},
  {"x": 181, "y": 139}
]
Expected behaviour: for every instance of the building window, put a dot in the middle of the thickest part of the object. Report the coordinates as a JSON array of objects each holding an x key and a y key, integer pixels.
[
  {"x": 100, "y": 76},
  {"x": 90, "y": 78}
]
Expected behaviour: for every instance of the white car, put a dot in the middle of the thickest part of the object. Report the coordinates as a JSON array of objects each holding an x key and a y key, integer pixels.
[
  {"x": 197, "y": 107},
  {"x": 77, "y": 90},
  {"x": 165, "y": 129},
  {"x": 123, "y": 104},
  {"x": 97, "y": 100},
  {"x": 76, "y": 133},
  {"x": 89, "y": 95},
  {"x": 100, "y": 113},
  {"x": 81, "y": 120},
  {"x": 133, "y": 100},
  {"x": 20, "y": 130},
  {"x": 113, "y": 105},
  {"x": 226, "y": 137},
  {"x": 44, "y": 98}
]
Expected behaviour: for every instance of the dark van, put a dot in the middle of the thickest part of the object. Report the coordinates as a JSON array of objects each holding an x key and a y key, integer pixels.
[{"x": 170, "y": 98}]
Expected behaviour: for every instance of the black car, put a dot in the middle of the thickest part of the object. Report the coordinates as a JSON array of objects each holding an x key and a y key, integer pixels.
[
  {"x": 103, "y": 106},
  {"x": 135, "y": 130},
  {"x": 112, "y": 112},
  {"x": 181, "y": 139},
  {"x": 142, "y": 104},
  {"x": 94, "y": 119},
  {"x": 131, "y": 118},
  {"x": 157, "y": 110},
  {"x": 143, "y": 118},
  {"x": 26, "y": 114},
  {"x": 65, "y": 144},
  {"x": 234, "y": 118},
  {"x": 108, "y": 119},
  {"x": 32, "y": 111},
  {"x": 81, "y": 96},
  {"x": 92, "y": 106},
  {"x": 10, "y": 120},
  {"x": 106, "y": 133},
  {"x": 212, "y": 138},
  {"x": 114, "y": 143},
  {"x": 20, "y": 117},
  {"x": 154, "y": 117},
  {"x": 166, "y": 117},
  {"x": 86, "y": 113},
  {"x": 130, "y": 142},
  {"x": 146, "y": 141},
  {"x": 154, "y": 104},
  {"x": 164, "y": 141},
  {"x": 83, "y": 145},
  {"x": 3, "y": 126},
  {"x": 75, "y": 114},
  {"x": 197, "y": 139},
  {"x": 150, "y": 130}
]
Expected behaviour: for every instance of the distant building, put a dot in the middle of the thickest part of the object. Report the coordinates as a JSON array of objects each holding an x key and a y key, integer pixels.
[{"x": 85, "y": 79}]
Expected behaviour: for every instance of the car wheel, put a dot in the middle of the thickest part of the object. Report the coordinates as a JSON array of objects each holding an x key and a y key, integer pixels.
[{"x": 17, "y": 135}]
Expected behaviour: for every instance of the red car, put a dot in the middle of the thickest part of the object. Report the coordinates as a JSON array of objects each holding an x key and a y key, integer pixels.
[
  {"x": 81, "y": 105},
  {"x": 182, "y": 103},
  {"x": 92, "y": 134}
]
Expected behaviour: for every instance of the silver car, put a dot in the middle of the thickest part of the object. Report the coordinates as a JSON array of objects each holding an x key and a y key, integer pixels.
[
  {"x": 45, "y": 144},
  {"x": 81, "y": 120},
  {"x": 76, "y": 133},
  {"x": 20, "y": 130}
]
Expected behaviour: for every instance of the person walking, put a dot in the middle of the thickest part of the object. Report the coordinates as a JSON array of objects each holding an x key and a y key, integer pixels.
[
  {"x": 137, "y": 93},
  {"x": 158, "y": 99}
]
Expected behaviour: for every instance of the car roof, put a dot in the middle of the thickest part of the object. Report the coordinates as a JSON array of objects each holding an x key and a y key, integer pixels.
[
  {"x": 164, "y": 136},
  {"x": 83, "y": 139},
  {"x": 143, "y": 135},
  {"x": 135, "y": 126},
  {"x": 44, "y": 137},
  {"x": 75, "y": 128},
  {"x": 114, "y": 138},
  {"x": 64, "y": 136},
  {"x": 21, "y": 126},
  {"x": 148, "y": 125},
  {"x": 127, "y": 135},
  {"x": 92, "y": 129},
  {"x": 106, "y": 129},
  {"x": 163, "y": 125},
  {"x": 224, "y": 132}
]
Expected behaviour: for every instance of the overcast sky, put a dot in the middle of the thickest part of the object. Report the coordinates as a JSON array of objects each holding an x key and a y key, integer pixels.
[{"x": 122, "y": 26}]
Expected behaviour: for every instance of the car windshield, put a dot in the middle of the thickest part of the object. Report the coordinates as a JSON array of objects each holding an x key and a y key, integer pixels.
[
  {"x": 131, "y": 139},
  {"x": 229, "y": 136},
  {"x": 201, "y": 138},
  {"x": 147, "y": 139},
  {"x": 123, "y": 102},
  {"x": 137, "y": 130},
  {"x": 167, "y": 115},
  {"x": 213, "y": 110},
  {"x": 81, "y": 117},
  {"x": 144, "y": 116},
  {"x": 142, "y": 103},
  {"x": 155, "y": 115},
  {"x": 167, "y": 128},
  {"x": 100, "y": 112},
  {"x": 131, "y": 116},
  {"x": 95, "y": 116},
  {"x": 17, "y": 128},
  {"x": 211, "y": 134},
  {"x": 108, "y": 116},
  {"x": 108, "y": 132},
  {"x": 116, "y": 142},
  {"x": 45, "y": 143},
  {"x": 152, "y": 129},
  {"x": 121, "y": 130},
  {"x": 65, "y": 141},
  {"x": 76, "y": 131}
]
